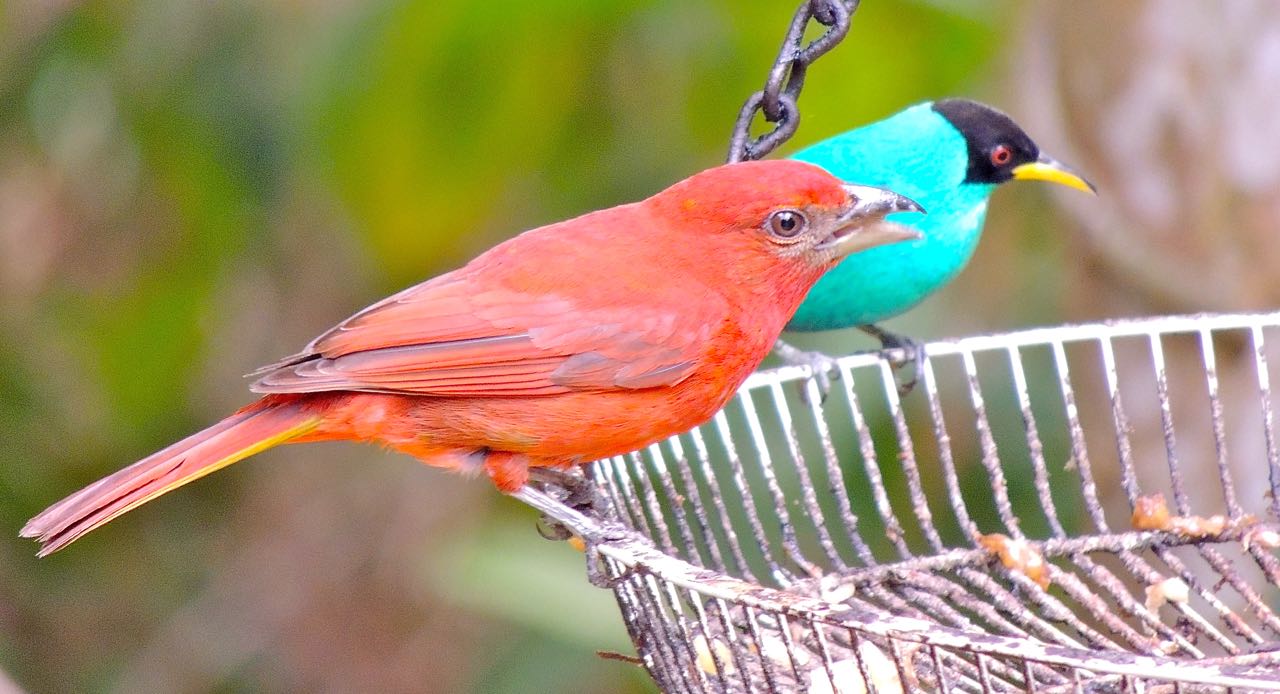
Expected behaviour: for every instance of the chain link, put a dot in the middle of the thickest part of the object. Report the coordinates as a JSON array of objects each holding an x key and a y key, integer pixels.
[{"x": 777, "y": 101}]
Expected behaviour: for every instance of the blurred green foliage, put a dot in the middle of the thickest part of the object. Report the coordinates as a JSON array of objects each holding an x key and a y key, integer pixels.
[{"x": 189, "y": 189}]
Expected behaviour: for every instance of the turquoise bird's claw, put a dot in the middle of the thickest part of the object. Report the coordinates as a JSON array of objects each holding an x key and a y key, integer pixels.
[
  {"x": 821, "y": 366},
  {"x": 912, "y": 351}
]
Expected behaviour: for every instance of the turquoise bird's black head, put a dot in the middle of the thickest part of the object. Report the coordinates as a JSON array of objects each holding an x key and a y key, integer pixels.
[{"x": 999, "y": 150}]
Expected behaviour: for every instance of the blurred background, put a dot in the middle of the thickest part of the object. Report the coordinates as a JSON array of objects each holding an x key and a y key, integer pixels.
[{"x": 189, "y": 189}]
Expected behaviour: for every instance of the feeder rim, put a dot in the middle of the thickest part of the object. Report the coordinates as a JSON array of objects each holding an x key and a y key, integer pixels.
[
  {"x": 630, "y": 550},
  {"x": 1152, "y": 326}
]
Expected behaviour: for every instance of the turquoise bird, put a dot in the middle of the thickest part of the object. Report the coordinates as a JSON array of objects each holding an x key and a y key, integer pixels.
[{"x": 948, "y": 155}]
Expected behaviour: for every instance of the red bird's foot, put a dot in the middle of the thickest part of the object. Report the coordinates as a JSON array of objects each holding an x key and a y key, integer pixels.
[
  {"x": 570, "y": 486},
  {"x": 509, "y": 471}
]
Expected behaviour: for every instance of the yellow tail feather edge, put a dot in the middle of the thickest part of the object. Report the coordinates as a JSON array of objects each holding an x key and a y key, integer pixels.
[{"x": 269, "y": 442}]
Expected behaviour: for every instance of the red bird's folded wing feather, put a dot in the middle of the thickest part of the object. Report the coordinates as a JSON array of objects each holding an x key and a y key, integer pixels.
[{"x": 451, "y": 337}]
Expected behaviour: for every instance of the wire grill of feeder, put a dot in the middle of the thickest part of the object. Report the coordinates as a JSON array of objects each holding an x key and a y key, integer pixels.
[{"x": 998, "y": 529}]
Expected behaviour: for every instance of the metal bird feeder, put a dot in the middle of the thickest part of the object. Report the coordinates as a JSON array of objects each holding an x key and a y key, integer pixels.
[
  {"x": 1010, "y": 532},
  {"x": 1090, "y": 508}
]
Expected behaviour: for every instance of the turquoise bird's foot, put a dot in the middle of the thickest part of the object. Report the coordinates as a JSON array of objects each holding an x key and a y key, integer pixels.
[
  {"x": 910, "y": 351},
  {"x": 822, "y": 366}
]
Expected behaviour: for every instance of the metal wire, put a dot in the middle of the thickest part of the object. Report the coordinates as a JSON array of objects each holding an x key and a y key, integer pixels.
[{"x": 876, "y": 543}]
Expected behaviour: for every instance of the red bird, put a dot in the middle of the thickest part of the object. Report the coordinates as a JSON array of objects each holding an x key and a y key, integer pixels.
[{"x": 571, "y": 342}]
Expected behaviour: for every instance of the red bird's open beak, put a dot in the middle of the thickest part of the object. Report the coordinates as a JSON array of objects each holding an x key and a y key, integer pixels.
[{"x": 863, "y": 226}]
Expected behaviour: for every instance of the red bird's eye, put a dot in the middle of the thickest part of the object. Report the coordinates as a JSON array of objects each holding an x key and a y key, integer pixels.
[
  {"x": 787, "y": 224},
  {"x": 1001, "y": 155}
]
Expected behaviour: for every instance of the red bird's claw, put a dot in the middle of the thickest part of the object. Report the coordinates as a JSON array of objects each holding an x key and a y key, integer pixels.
[
  {"x": 571, "y": 488},
  {"x": 551, "y": 529},
  {"x": 598, "y": 577}
]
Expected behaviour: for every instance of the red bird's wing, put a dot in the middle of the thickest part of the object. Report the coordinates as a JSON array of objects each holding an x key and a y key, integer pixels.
[{"x": 453, "y": 337}]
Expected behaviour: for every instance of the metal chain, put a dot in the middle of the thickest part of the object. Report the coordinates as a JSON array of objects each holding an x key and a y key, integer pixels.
[{"x": 777, "y": 101}]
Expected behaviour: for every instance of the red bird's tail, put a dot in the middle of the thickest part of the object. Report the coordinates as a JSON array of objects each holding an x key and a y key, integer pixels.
[{"x": 266, "y": 423}]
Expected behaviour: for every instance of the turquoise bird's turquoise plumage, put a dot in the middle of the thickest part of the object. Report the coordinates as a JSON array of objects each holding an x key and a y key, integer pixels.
[{"x": 949, "y": 156}]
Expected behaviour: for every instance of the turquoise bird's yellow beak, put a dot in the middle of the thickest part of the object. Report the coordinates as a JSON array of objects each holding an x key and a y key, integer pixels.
[{"x": 1049, "y": 169}]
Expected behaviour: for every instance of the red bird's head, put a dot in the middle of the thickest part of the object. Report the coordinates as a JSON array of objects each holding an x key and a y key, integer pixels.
[{"x": 783, "y": 212}]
